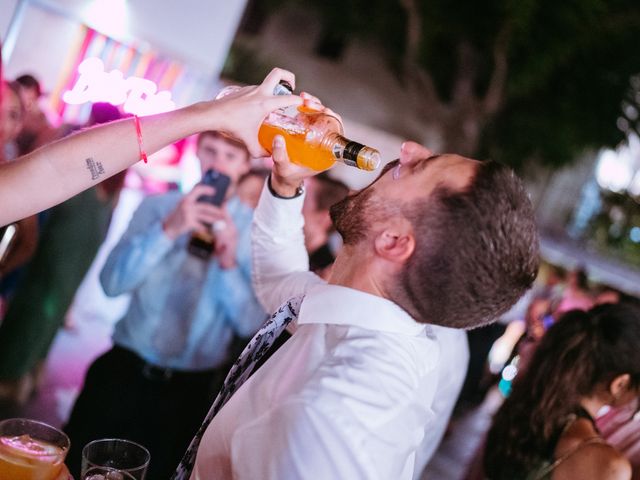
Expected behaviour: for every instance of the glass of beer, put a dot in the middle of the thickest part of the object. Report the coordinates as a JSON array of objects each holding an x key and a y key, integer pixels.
[
  {"x": 114, "y": 459},
  {"x": 31, "y": 450}
]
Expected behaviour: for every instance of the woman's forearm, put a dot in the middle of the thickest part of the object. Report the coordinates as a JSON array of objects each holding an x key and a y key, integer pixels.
[{"x": 64, "y": 168}]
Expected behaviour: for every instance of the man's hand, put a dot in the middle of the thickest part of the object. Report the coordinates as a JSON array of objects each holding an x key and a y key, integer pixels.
[
  {"x": 191, "y": 215},
  {"x": 241, "y": 113},
  {"x": 226, "y": 235},
  {"x": 286, "y": 176}
]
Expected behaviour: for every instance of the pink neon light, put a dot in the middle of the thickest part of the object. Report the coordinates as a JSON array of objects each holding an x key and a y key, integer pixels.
[{"x": 138, "y": 96}]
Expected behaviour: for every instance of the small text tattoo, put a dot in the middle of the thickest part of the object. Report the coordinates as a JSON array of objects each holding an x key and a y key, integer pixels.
[{"x": 95, "y": 168}]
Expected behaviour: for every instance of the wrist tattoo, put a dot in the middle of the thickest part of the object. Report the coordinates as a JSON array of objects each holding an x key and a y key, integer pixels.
[{"x": 95, "y": 168}]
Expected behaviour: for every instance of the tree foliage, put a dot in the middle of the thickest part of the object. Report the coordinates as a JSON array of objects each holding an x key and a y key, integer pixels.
[{"x": 510, "y": 79}]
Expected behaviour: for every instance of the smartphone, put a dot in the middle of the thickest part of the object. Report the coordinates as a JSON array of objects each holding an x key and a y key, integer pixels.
[
  {"x": 201, "y": 244},
  {"x": 220, "y": 182}
]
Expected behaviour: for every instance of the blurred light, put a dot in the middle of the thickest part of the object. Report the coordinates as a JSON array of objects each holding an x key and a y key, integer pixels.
[
  {"x": 634, "y": 234},
  {"x": 622, "y": 124},
  {"x": 630, "y": 111},
  {"x": 138, "y": 96},
  {"x": 634, "y": 186},
  {"x": 613, "y": 171},
  {"x": 110, "y": 17},
  {"x": 504, "y": 387},
  {"x": 509, "y": 372}
]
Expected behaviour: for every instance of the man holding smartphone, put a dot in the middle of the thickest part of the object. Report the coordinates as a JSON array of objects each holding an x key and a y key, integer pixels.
[{"x": 156, "y": 384}]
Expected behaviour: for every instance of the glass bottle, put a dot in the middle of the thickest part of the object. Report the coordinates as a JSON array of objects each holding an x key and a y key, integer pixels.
[{"x": 314, "y": 139}]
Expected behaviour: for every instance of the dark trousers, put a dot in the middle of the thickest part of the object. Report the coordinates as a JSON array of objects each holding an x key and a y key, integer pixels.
[{"x": 124, "y": 397}]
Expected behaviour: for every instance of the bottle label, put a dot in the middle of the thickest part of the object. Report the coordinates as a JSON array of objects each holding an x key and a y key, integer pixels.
[
  {"x": 351, "y": 152},
  {"x": 338, "y": 153}
]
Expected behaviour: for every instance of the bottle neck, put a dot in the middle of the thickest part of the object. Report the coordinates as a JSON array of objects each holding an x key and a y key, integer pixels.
[{"x": 351, "y": 153}]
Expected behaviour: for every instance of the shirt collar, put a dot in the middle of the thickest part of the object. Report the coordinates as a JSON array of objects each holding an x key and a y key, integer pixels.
[{"x": 337, "y": 305}]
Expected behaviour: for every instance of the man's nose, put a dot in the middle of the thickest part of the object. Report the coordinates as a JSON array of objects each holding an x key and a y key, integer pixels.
[{"x": 412, "y": 152}]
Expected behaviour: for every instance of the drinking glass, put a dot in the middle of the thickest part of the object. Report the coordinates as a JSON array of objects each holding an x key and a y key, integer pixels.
[
  {"x": 114, "y": 459},
  {"x": 31, "y": 450}
]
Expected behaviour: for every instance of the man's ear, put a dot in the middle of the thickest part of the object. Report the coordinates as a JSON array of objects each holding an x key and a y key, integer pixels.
[
  {"x": 396, "y": 242},
  {"x": 324, "y": 218},
  {"x": 620, "y": 385}
]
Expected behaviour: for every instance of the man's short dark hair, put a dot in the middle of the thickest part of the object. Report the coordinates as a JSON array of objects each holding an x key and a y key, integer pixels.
[
  {"x": 476, "y": 251},
  {"x": 227, "y": 138},
  {"x": 15, "y": 89},
  {"x": 30, "y": 82}
]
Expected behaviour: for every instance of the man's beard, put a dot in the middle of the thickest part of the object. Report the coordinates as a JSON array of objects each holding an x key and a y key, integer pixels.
[
  {"x": 348, "y": 216},
  {"x": 354, "y": 215}
]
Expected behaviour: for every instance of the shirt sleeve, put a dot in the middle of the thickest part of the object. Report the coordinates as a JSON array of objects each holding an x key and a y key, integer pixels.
[
  {"x": 141, "y": 248},
  {"x": 280, "y": 260},
  {"x": 296, "y": 441}
]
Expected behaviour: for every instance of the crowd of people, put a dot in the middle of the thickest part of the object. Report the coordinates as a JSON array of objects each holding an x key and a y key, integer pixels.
[
  {"x": 357, "y": 372},
  {"x": 570, "y": 384}
]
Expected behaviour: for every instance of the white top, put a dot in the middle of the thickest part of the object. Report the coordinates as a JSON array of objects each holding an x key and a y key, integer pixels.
[{"x": 348, "y": 396}]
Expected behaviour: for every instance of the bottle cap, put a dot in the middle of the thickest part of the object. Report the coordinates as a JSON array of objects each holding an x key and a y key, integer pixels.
[
  {"x": 368, "y": 159},
  {"x": 283, "y": 88},
  {"x": 361, "y": 156}
]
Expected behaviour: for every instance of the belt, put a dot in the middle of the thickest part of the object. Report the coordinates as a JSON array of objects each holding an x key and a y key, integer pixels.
[
  {"x": 153, "y": 373},
  {"x": 156, "y": 373}
]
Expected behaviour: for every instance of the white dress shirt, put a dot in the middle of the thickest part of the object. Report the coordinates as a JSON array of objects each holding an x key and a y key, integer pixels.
[
  {"x": 347, "y": 397},
  {"x": 452, "y": 370}
]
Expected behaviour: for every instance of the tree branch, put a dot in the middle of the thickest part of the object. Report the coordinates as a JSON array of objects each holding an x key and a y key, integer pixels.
[
  {"x": 415, "y": 75},
  {"x": 466, "y": 76},
  {"x": 497, "y": 84}
]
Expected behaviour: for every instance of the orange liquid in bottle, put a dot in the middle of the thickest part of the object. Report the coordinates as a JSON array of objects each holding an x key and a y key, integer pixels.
[
  {"x": 24, "y": 458},
  {"x": 299, "y": 151}
]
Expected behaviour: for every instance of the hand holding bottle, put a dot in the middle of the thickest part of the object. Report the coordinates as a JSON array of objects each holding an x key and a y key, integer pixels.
[
  {"x": 314, "y": 137},
  {"x": 241, "y": 111},
  {"x": 286, "y": 176}
]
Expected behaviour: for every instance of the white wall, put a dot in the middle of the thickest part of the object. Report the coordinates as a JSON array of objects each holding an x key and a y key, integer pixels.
[
  {"x": 196, "y": 32},
  {"x": 39, "y": 51},
  {"x": 7, "y": 7}
]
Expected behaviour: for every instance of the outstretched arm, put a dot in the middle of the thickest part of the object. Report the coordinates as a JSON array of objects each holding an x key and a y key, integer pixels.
[
  {"x": 64, "y": 168},
  {"x": 280, "y": 260}
]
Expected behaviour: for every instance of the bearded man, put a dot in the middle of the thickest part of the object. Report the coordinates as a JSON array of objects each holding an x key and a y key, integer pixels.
[{"x": 436, "y": 240}]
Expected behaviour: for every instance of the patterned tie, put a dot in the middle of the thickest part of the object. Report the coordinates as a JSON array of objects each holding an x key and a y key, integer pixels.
[{"x": 239, "y": 373}]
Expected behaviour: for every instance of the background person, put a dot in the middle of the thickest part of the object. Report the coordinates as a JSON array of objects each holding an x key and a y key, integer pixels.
[
  {"x": 37, "y": 130},
  {"x": 23, "y": 245},
  {"x": 69, "y": 240},
  {"x": 545, "y": 429}
]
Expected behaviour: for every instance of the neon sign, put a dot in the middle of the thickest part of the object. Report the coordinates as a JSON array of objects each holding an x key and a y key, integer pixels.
[{"x": 138, "y": 96}]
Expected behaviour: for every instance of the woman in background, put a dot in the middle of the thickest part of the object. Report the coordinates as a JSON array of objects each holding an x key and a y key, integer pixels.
[
  {"x": 68, "y": 244},
  {"x": 545, "y": 429},
  {"x": 19, "y": 241}
]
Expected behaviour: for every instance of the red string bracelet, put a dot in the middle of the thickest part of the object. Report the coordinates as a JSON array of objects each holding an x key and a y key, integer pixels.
[{"x": 143, "y": 154}]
